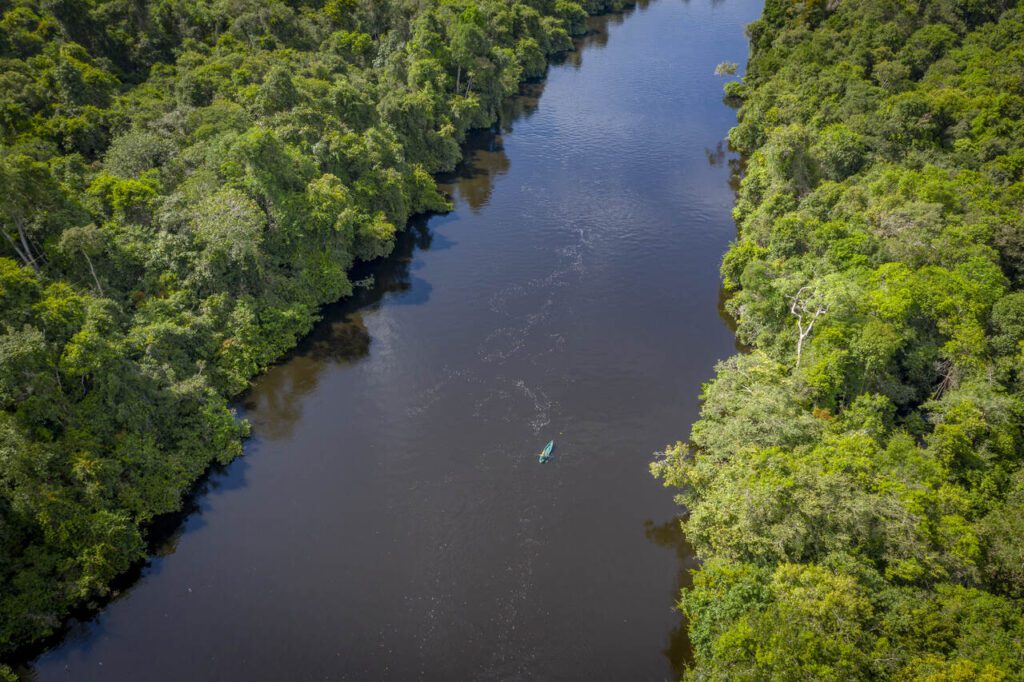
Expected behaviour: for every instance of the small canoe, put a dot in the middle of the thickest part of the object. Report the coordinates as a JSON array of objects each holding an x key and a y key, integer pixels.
[{"x": 545, "y": 454}]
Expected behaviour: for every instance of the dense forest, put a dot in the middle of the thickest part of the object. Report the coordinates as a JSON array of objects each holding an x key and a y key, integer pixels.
[
  {"x": 183, "y": 183},
  {"x": 855, "y": 485}
]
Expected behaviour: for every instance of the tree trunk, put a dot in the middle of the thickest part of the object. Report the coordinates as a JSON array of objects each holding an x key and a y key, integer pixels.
[
  {"x": 92, "y": 270},
  {"x": 25, "y": 256}
]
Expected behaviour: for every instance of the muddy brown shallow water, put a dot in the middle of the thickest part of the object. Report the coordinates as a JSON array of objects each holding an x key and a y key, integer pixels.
[{"x": 389, "y": 519}]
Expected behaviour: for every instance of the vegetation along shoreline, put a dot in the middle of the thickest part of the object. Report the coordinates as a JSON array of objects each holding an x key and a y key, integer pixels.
[
  {"x": 854, "y": 485},
  {"x": 185, "y": 184}
]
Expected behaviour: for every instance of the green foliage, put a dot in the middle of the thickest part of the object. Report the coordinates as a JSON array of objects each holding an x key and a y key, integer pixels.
[
  {"x": 855, "y": 482},
  {"x": 184, "y": 184},
  {"x": 839, "y": 621}
]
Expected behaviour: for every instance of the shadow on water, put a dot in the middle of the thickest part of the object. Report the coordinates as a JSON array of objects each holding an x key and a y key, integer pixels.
[
  {"x": 162, "y": 540},
  {"x": 724, "y": 155},
  {"x": 670, "y": 535},
  {"x": 342, "y": 338},
  {"x": 473, "y": 180}
]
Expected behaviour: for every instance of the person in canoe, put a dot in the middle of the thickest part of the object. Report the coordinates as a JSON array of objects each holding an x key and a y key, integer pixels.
[{"x": 545, "y": 454}]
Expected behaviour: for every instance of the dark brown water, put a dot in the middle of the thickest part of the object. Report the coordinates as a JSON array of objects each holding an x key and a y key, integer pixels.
[{"x": 389, "y": 519}]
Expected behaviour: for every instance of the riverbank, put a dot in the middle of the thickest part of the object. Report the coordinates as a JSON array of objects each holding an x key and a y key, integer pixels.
[
  {"x": 229, "y": 189},
  {"x": 389, "y": 518},
  {"x": 854, "y": 484}
]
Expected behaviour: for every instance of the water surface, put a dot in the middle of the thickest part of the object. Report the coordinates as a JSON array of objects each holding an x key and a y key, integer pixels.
[{"x": 389, "y": 519}]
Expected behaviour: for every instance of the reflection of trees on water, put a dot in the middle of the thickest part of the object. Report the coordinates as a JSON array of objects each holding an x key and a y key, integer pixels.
[
  {"x": 670, "y": 535},
  {"x": 274, "y": 403},
  {"x": 473, "y": 181},
  {"x": 162, "y": 535},
  {"x": 716, "y": 156},
  {"x": 596, "y": 36},
  {"x": 522, "y": 106},
  {"x": 724, "y": 154}
]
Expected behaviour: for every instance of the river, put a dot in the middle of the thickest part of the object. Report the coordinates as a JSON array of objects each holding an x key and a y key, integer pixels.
[{"x": 389, "y": 519}]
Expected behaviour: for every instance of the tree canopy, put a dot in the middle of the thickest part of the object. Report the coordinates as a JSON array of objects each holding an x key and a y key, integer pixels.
[
  {"x": 184, "y": 182},
  {"x": 855, "y": 482}
]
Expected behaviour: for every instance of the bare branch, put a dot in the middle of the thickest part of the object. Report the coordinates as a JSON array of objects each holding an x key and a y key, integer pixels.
[
  {"x": 26, "y": 256},
  {"x": 806, "y": 315},
  {"x": 92, "y": 270}
]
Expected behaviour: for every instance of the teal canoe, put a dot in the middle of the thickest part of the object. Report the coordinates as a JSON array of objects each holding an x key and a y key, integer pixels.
[{"x": 545, "y": 454}]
